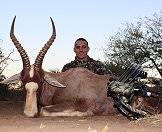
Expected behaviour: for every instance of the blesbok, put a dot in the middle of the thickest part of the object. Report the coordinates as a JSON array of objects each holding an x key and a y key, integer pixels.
[{"x": 76, "y": 92}]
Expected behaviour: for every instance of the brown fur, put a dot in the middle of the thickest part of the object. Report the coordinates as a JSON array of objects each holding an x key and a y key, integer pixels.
[{"x": 85, "y": 91}]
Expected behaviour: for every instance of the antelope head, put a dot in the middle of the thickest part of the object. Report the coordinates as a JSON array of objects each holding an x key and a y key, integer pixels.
[{"x": 32, "y": 76}]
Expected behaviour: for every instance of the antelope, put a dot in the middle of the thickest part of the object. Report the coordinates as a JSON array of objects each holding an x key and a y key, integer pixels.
[{"x": 75, "y": 92}]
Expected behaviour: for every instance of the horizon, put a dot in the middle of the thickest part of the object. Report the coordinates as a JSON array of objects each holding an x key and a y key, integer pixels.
[{"x": 93, "y": 20}]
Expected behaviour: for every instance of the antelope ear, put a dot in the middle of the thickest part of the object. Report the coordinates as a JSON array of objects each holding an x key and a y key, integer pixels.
[
  {"x": 12, "y": 79},
  {"x": 52, "y": 81}
]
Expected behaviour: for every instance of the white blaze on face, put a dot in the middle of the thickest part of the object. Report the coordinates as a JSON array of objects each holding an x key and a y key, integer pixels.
[
  {"x": 31, "y": 72},
  {"x": 31, "y": 99}
]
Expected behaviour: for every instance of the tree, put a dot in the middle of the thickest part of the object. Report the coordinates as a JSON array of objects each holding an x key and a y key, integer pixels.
[
  {"x": 3, "y": 63},
  {"x": 136, "y": 43},
  {"x": 6, "y": 93}
]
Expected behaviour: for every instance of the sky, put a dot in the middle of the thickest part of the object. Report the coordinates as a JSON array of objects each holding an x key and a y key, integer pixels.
[{"x": 94, "y": 20}]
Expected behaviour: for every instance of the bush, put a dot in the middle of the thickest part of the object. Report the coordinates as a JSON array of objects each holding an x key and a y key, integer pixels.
[{"x": 10, "y": 94}]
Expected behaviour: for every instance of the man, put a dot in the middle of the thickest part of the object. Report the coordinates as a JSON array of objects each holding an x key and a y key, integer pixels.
[
  {"x": 121, "y": 93},
  {"x": 82, "y": 59}
]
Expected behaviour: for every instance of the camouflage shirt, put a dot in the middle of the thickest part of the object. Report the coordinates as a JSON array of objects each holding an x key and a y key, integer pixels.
[{"x": 91, "y": 64}]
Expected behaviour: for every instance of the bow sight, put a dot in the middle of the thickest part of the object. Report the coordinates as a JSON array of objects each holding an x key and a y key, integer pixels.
[{"x": 126, "y": 87}]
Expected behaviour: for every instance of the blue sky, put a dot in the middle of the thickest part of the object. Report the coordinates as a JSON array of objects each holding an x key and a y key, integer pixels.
[{"x": 95, "y": 20}]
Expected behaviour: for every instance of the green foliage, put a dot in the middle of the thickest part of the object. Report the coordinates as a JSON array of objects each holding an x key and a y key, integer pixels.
[
  {"x": 136, "y": 43},
  {"x": 11, "y": 94}
]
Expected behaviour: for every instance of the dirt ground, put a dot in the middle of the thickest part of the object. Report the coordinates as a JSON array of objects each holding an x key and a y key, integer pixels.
[{"x": 13, "y": 120}]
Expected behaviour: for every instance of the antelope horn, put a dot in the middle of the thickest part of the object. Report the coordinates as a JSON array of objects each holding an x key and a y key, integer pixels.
[
  {"x": 43, "y": 51},
  {"x": 22, "y": 52}
]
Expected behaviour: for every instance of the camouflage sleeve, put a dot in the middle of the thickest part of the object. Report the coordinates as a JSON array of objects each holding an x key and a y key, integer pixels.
[
  {"x": 67, "y": 66},
  {"x": 64, "y": 68},
  {"x": 101, "y": 68}
]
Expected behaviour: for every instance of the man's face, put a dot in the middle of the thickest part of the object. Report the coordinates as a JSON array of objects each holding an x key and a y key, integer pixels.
[{"x": 81, "y": 49}]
